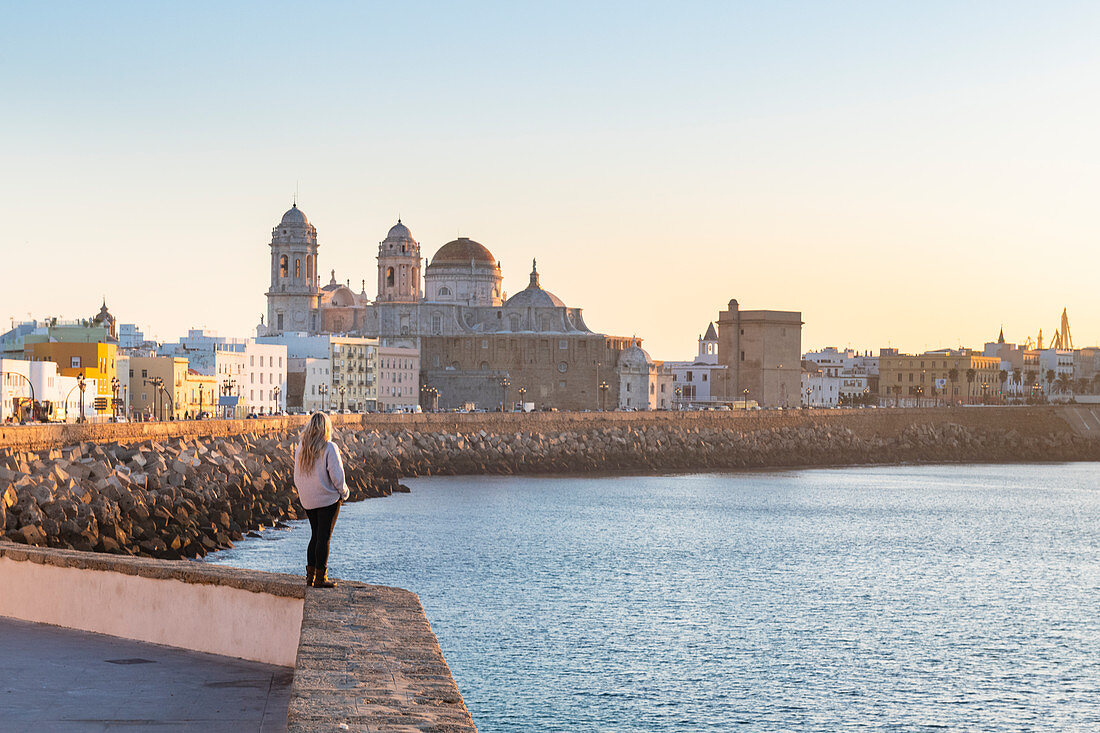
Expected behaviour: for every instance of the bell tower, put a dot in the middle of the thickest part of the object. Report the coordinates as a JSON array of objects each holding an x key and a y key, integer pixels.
[
  {"x": 293, "y": 296},
  {"x": 398, "y": 267}
]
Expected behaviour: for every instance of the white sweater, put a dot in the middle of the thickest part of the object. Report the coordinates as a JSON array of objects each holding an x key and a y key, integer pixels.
[{"x": 324, "y": 485}]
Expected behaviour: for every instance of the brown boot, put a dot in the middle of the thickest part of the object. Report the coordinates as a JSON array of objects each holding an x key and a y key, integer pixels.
[
  {"x": 311, "y": 573},
  {"x": 320, "y": 580}
]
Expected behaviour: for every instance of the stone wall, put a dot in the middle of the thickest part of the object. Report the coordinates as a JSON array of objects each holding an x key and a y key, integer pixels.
[{"x": 879, "y": 422}]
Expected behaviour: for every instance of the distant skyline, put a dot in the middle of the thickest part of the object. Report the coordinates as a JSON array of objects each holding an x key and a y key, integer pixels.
[{"x": 911, "y": 175}]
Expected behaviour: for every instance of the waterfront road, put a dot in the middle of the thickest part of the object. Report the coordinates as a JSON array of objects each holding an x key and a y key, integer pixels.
[{"x": 54, "y": 679}]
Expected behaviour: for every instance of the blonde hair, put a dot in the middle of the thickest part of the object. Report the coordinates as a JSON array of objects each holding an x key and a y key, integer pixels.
[{"x": 318, "y": 432}]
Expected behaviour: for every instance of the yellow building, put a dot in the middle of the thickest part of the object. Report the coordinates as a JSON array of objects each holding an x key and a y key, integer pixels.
[
  {"x": 93, "y": 360},
  {"x": 199, "y": 393},
  {"x": 938, "y": 377},
  {"x": 158, "y": 385}
]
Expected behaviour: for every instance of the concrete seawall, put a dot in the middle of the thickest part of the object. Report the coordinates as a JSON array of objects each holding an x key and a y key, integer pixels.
[
  {"x": 363, "y": 656},
  {"x": 879, "y": 422}
]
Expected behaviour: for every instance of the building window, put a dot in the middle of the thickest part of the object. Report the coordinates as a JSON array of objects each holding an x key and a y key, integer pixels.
[
  {"x": 563, "y": 344},
  {"x": 444, "y": 291},
  {"x": 742, "y": 356},
  {"x": 297, "y": 267},
  {"x": 389, "y": 277},
  {"x": 75, "y": 362},
  {"x": 283, "y": 266}
]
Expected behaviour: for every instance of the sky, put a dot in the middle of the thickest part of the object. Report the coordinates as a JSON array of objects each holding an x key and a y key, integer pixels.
[{"x": 911, "y": 175}]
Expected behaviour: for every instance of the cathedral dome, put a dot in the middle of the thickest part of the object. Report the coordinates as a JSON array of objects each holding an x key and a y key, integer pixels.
[
  {"x": 294, "y": 217},
  {"x": 399, "y": 231},
  {"x": 461, "y": 252},
  {"x": 533, "y": 296}
]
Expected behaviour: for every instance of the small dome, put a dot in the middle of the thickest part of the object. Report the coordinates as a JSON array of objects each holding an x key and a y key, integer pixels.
[
  {"x": 634, "y": 356},
  {"x": 461, "y": 251},
  {"x": 294, "y": 217},
  {"x": 533, "y": 296},
  {"x": 399, "y": 231}
]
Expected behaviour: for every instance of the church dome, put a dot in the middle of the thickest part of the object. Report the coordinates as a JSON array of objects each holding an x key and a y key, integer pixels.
[
  {"x": 461, "y": 251},
  {"x": 635, "y": 356},
  {"x": 533, "y": 296},
  {"x": 294, "y": 217},
  {"x": 399, "y": 231}
]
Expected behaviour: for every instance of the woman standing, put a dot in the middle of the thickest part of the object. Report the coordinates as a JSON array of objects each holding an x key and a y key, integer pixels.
[{"x": 319, "y": 478}]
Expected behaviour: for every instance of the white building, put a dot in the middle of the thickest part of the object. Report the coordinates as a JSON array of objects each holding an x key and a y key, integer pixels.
[
  {"x": 643, "y": 383},
  {"x": 856, "y": 372},
  {"x": 350, "y": 364},
  {"x": 819, "y": 388},
  {"x": 252, "y": 371},
  {"x": 55, "y": 397},
  {"x": 693, "y": 381}
]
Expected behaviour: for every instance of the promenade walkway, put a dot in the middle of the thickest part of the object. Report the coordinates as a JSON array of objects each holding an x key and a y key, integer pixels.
[{"x": 55, "y": 679}]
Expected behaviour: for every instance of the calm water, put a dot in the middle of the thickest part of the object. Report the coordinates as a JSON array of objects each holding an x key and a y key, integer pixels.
[{"x": 895, "y": 598}]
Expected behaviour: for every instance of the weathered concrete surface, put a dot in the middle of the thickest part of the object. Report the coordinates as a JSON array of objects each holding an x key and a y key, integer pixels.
[
  {"x": 368, "y": 659},
  {"x": 60, "y": 680}
]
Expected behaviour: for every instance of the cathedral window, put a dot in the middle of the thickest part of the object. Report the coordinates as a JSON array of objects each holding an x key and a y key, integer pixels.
[
  {"x": 389, "y": 277},
  {"x": 283, "y": 264},
  {"x": 444, "y": 291},
  {"x": 297, "y": 267}
]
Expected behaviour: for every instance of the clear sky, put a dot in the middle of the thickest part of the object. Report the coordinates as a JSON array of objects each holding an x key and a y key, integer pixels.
[{"x": 906, "y": 174}]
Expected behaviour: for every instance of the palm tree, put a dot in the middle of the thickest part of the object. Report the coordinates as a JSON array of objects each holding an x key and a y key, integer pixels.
[
  {"x": 1096, "y": 382},
  {"x": 1050, "y": 380},
  {"x": 897, "y": 394},
  {"x": 1004, "y": 378},
  {"x": 1064, "y": 383},
  {"x": 1017, "y": 376},
  {"x": 1032, "y": 380},
  {"x": 953, "y": 377},
  {"x": 1082, "y": 385},
  {"x": 970, "y": 374}
]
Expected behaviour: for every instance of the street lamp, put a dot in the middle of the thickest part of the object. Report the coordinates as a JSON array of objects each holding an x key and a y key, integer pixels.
[
  {"x": 227, "y": 390},
  {"x": 323, "y": 390},
  {"x": 504, "y": 384},
  {"x": 809, "y": 390},
  {"x": 678, "y": 390},
  {"x": 114, "y": 391},
  {"x": 745, "y": 400},
  {"x": 522, "y": 398},
  {"x": 81, "y": 385},
  {"x": 342, "y": 390},
  {"x": 278, "y": 391},
  {"x": 604, "y": 386}
]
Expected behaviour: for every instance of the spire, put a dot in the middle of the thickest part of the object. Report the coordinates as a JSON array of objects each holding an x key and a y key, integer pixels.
[
  {"x": 712, "y": 335},
  {"x": 1001, "y": 338},
  {"x": 333, "y": 280},
  {"x": 534, "y": 275}
]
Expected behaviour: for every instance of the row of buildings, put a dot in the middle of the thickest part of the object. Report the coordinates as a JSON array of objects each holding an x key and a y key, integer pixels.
[
  {"x": 1001, "y": 372},
  {"x": 442, "y": 333}
]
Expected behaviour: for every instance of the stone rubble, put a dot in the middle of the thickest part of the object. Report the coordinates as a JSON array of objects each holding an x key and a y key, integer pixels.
[{"x": 187, "y": 497}]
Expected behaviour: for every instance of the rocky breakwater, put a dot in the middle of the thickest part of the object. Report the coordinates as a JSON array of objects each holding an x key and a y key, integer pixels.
[
  {"x": 186, "y": 497},
  {"x": 173, "y": 499},
  {"x": 686, "y": 448}
]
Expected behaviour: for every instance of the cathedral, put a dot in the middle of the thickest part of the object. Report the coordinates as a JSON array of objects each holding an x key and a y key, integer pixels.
[{"x": 477, "y": 346}]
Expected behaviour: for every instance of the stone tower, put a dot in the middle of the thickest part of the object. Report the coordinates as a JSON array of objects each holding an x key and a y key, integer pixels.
[
  {"x": 398, "y": 267},
  {"x": 293, "y": 295}
]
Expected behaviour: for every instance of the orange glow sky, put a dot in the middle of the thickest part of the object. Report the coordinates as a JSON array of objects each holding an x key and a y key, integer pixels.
[{"x": 904, "y": 176}]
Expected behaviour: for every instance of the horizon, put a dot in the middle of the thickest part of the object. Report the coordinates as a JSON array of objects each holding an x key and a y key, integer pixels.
[{"x": 908, "y": 178}]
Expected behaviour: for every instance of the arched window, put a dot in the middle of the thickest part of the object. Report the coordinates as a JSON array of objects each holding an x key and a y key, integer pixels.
[
  {"x": 444, "y": 291},
  {"x": 389, "y": 277},
  {"x": 283, "y": 264},
  {"x": 297, "y": 267},
  {"x": 309, "y": 268}
]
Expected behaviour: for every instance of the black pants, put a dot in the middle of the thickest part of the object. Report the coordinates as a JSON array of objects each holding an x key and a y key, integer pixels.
[{"x": 321, "y": 522}]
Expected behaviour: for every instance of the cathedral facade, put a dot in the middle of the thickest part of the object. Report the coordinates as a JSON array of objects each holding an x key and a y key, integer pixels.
[{"x": 477, "y": 346}]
